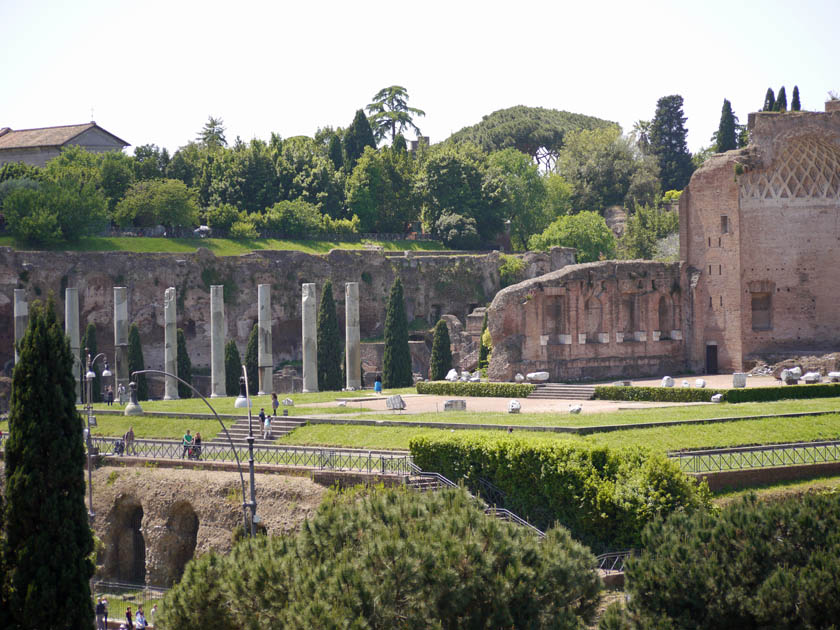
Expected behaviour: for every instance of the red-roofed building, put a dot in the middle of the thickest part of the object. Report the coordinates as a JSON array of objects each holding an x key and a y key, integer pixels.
[{"x": 38, "y": 146}]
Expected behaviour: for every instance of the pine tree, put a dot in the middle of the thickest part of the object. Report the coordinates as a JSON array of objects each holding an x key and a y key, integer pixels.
[
  {"x": 769, "y": 101},
  {"x": 47, "y": 540},
  {"x": 233, "y": 368},
  {"x": 357, "y": 136},
  {"x": 396, "y": 362},
  {"x": 441, "y": 361},
  {"x": 89, "y": 342},
  {"x": 794, "y": 104},
  {"x": 483, "y": 348},
  {"x": 781, "y": 101},
  {"x": 726, "y": 137},
  {"x": 252, "y": 360},
  {"x": 329, "y": 343},
  {"x": 136, "y": 362},
  {"x": 668, "y": 143},
  {"x": 184, "y": 366},
  {"x": 399, "y": 144},
  {"x": 334, "y": 151}
]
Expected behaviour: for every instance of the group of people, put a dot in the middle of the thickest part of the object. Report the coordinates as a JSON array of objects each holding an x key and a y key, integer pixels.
[
  {"x": 136, "y": 621},
  {"x": 192, "y": 445},
  {"x": 108, "y": 394}
]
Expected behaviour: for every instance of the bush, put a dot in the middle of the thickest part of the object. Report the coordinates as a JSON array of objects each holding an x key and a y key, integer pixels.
[
  {"x": 457, "y": 231},
  {"x": 605, "y": 497},
  {"x": 586, "y": 231},
  {"x": 243, "y": 229},
  {"x": 493, "y": 390},
  {"x": 292, "y": 218},
  {"x": 222, "y": 217},
  {"x": 659, "y": 394},
  {"x": 158, "y": 202},
  {"x": 784, "y": 392},
  {"x": 511, "y": 270},
  {"x": 756, "y": 565}
]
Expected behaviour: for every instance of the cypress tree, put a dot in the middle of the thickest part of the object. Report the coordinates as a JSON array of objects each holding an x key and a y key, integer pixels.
[
  {"x": 334, "y": 151},
  {"x": 329, "y": 343},
  {"x": 726, "y": 136},
  {"x": 47, "y": 539},
  {"x": 441, "y": 361},
  {"x": 233, "y": 368},
  {"x": 769, "y": 101},
  {"x": 794, "y": 104},
  {"x": 396, "y": 363},
  {"x": 136, "y": 362},
  {"x": 781, "y": 101},
  {"x": 184, "y": 366},
  {"x": 89, "y": 342},
  {"x": 483, "y": 348},
  {"x": 668, "y": 143},
  {"x": 358, "y": 136},
  {"x": 252, "y": 361}
]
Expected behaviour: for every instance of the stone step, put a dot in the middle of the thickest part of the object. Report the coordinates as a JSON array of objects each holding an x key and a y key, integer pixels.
[{"x": 559, "y": 391}]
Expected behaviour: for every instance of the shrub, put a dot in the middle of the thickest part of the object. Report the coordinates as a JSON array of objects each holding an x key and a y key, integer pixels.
[
  {"x": 493, "y": 390},
  {"x": 659, "y": 394},
  {"x": 784, "y": 392},
  {"x": 457, "y": 231},
  {"x": 511, "y": 270},
  {"x": 441, "y": 361},
  {"x": 222, "y": 217},
  {"x": 605, "y": 497},
  {"x": 244, "y": 229},
  {"x": 158, "y": 202},
  {"x": 396, "y": 359},
  {"x": 292, "y": 218},
  {"x": 339, "y": 226}
]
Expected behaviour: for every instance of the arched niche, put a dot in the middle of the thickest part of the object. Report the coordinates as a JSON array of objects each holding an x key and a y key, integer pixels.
[
  {"x": 593, "y": 318},
  {"x": 665, "y": 311},
  {"x": 125, "y": 559},
  {"x": 180, "y": 539}
]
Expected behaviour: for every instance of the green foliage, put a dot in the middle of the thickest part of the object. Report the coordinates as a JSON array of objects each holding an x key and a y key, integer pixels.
[
  {"x": 89, "y": 342},
  {"x": 390, "y": 113},
  {"x": 668, "y": 143},
  {"x": 334, "y": 152},
  {"x": 396, "y": 361},
  {"x": 535, "y": 131},
  {"x": 604, "y": 497},
  {"x": 726, "y": 139},
  {"x": 457, "y": 231},
  {"x": 153, "y": 202},
  {"x": 357, "y": 136},
  {"x": 19, "y": 170},
  {"x": 511, "y": 271},
  {"x": 184, "y": 366},
  {"x": 136, "y": 362},
  {"x": 379, "y": 191},
  {"x": 644, "y": 228},
  {"x": 243, "y": 229},
  {"x": 558, "y": 195},
  {"x": 46, "y": 539},
  {"x": 329, "y": 343},
  {"x": 795, "y": 105},
  {"x": 233, "y": 368},
  {"x": 252, "y": 359},
  {"x": 292, "y": 218},
  {"x": 659, "y": 394},
  {"x": 524, "y": 193},
  {"x": 781, "y": 101},
  {"x": 671, "y": 196},
  {"x": 441, "y": 359},
  {"x": 307, "y": 174},
  {"x": 485, "y": 347},
  {"x": 150, "y": 162},
  {"x": 586, "y": 231},
  {"x": 222, "y": 217},
  {"x": 785, "y": 392},
  {"x": 212, "y": 135},
  {"x": 757, "y": 564},
  {"x": 492, "y": 390},
  {"x": 769, "y": 101},
  {"x": 392, "y": 559}
]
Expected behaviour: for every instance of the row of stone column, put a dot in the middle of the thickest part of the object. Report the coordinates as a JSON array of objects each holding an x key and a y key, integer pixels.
[{"x": 265, "y": 358}]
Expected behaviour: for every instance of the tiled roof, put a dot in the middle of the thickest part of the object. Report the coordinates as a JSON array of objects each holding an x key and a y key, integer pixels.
[{"x": 47, "y": 136}]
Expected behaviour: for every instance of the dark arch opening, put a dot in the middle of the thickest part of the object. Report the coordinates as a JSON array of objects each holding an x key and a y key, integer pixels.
[
  {"x": 183, "y": 529},
  {"x": 126, "y": 561}
]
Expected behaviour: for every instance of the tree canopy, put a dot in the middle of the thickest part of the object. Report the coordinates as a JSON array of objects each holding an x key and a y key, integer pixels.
[
  {"x": 396, "y": 360},
  {"x": 726, "y": 137},
  {"x": 390, "y": 113},
  {"x": 586, "y": 231},
  {"x": 668, "y": 141}
]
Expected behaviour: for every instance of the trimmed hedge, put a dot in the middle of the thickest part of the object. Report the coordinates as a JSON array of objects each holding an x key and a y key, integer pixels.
[
  {"x": 498, "y": 390},
  {"x": 694, "y": 394},
  {"x": 605, "y": 497}
]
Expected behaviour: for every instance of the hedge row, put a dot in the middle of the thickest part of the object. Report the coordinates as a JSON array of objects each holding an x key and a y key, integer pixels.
[
  {"x": 785, "y": 392},
  {"x": 694, "y": 394},
  {"x": 605, "y": 497},
  {"x": 498, "y": 390}
]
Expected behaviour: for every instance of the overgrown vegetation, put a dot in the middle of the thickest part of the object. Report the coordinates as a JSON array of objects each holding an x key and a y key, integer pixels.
[{"x": 511, "y": 270}]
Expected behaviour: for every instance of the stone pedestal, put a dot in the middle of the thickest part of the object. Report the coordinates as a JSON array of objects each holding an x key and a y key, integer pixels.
[
  {"x": 739, "y": 379},
  {"x": 21, "y": 317},
  {"x": 265, "y": 359},
  {"x": 352, "y": 336},
  {"x": 121, "y": 375},
  {"x": 170, "y": 344},
  {"x": 217, "y": 341},
  {"x": 310, "y": 338},
  {"x": 71, "y": 328}
]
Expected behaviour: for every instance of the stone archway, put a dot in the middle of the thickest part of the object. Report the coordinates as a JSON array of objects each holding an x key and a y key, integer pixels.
[
  {"x": 177, "y": 545},
  {"x": 125, "y": 559}
]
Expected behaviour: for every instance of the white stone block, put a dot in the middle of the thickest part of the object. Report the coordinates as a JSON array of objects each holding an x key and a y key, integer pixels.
[
  {"x": 581, "y": 338},
  {"x": 685, "y": 383},
  {"x": 565, "y": 340},
  {"x": 395, "y": 403},
  {"x": 834, "y": 376},
  {"x": 796, "y": 372},
  {"x": 717, "y": 398},
  {"x": 676, "y": 334},
  {"x": 537, "y": 377},
  {"x": 700, "y": 383},
  {"x": 811, "y": 378},
  {"x": 454, "y": 405},
  {"x": 514, "y": 406},
  {"x": 739, "y": 379},
  {"x": 603, "y": 337},
  {"x": 288, "y": 402},
  {"x": 619, "y": 337},
  {"x": 452, "y": 376},
  {"x": 543, "y": 340},
  {"x": 575, "y": 408},
  {"x": 519, "y": 378},
  {"x": 667, "y": 381},
  {"x": 656, "y": 335},
  {"x": 640, "y": 335}
]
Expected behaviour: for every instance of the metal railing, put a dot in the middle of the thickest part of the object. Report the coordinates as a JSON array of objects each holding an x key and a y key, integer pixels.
[
  {"x": 120, "y": 595},
  {"x": 320, "y": 458},
  {"x": 745, "y": 457},
  {"x": 613, "y": 562}
]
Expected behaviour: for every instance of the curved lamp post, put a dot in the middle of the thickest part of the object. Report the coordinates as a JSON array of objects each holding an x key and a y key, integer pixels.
[
  {"x": 89, "y": 376},
  {"x": 245, "y": 504}
]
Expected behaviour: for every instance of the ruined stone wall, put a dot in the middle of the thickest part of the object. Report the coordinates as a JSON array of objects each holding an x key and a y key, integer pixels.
[{"x": 592, "y": 321}]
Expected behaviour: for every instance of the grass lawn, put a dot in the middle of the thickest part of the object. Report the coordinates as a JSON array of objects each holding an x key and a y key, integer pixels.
[
  {"x": 780, "y": 489},
  {"x": 161, "y": 428},
  {"x": 219, "y": 246}
]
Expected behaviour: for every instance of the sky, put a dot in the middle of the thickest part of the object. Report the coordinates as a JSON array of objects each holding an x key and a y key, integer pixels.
[{"x": 152, "y": 72}]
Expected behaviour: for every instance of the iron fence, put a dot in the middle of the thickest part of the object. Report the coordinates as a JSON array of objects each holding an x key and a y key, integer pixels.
[
  {"x": 613, "y": 562},
  {"x": 120, "y": 595},
  {"x": 740, "y": 458},
  {"x": 320, "y": 458}
]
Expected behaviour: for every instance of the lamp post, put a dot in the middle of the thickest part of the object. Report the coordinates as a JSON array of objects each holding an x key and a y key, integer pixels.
[
  {"x": 90, "y": 375},
  {"x": 243, "y": 384}
]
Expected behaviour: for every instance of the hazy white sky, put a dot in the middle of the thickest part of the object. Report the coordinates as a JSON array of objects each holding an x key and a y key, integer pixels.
[{"x": 153, "y": 71}]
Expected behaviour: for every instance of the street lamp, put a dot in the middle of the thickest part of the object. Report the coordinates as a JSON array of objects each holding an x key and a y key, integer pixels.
[{"x": 90, "y": 375}]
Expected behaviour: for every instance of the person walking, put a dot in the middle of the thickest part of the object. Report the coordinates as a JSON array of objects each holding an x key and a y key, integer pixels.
[
  {"x": 197, "y": 445},
  {"x": 129, "y": 619},
  {"x": 101, "y": 614},
  {"x": 267, "y": 428},
  {"x": 186, "y": 442},
  {"x": 274, "y": 403},
  {"x": 129, "y": 442},
  {"x": 140, "y": 619}
]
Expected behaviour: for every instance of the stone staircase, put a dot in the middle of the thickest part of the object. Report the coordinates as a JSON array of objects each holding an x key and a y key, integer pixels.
[
  {"x": 280, "y": 426},
  {"x": 559, "y": 391}
]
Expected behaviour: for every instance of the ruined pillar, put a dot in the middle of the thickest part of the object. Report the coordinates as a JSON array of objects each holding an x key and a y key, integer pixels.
[
  {"x": 71, "y": 328},
  {"x": 310, "y": 339},
  {"x": 265, "y": 360},
  {"x": 21, "y": 317},
  {"x": 121, "y": 375},
  {"x": 170, "y": 344},
  {"x": 353, "y": 367},
  {"x": 217, "y": 341}
]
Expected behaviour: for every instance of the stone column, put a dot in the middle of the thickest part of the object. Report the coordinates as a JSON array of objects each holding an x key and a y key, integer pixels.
[
  {"x": 310, "y": 339},
  {"x": 170, "y": 344},
  {"x": 217, "y": 341},
  {"x": 71, "y": 328},
  {"x": 121, "y": 375},
  {"x": 265, "y": 359},
  {"x": 352, "y": 337},
  {"x": 21, "y": 317}
]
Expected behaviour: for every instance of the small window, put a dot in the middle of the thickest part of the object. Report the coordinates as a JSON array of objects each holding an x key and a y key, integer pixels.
[
  {"x": 721, "y": 300},
  {"x": 720, "y": 270},
  {"x": 718, "y": 241},
  {"x": 710, "y": 270},
  {"x": 761, "y": 311},
  {"x": 710, "y": 241},
  {"x": 724, "y": 224},
  {"x": 710, "y": 301}
]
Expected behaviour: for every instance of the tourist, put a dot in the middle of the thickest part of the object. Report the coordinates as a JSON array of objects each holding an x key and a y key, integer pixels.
[
  {"x": 101, "y": 614},
  {"x": 274, "y": 403},
  {"x": 197, "y": 445},
  {"x": 121, "y": 393},
  {"x": 377, "y": 384},
  {"x": 267, "y": 428},
  {"x": 152, "y": 614},
  {"x": 129, "y": 442},
  {"x": 186, "y": 442},
  {"x": 140, "y": 619},
  {"x": 129, "y": 620},
  {"x": 262, "y": 415}
]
